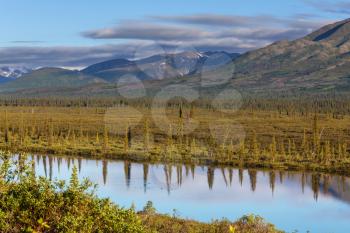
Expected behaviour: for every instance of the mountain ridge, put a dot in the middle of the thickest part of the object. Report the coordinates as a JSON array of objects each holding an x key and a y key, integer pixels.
[{"x": 154, "y": 67}]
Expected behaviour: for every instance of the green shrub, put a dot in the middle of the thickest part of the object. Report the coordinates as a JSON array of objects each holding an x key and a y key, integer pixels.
[{"x": 31, "y": 204}]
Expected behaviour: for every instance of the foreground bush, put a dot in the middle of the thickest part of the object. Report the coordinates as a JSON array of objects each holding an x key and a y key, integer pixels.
[
  {"x": 36, "y": 205},
  {"x": 30, "y": 204},
  {"x": 168, "y": 224}
]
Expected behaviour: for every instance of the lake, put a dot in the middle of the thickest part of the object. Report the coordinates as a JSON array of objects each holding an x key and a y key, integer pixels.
[{"x": 292, "y": 201}]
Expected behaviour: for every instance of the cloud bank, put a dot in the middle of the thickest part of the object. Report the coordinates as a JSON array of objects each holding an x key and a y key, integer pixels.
[{"x": 342, "y": 7}]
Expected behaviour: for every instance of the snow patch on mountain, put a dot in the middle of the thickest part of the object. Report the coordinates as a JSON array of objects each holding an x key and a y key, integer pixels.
[{"x": 13, "y": 72}]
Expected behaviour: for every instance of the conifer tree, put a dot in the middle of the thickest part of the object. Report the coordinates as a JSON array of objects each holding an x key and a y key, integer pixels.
[
  {"x": 6, "y": 133},
  {"x": 255, "y": 146},
  {"x": 289, "y": 147},
  {"x": 283, "y": 150},
  {"x": 146, "y": 136},
  {"x": 170, "y": 138},
  {"x": 345, "y": 150},
  {"x": 127, "y": 138},
  {"x": 242, "y": 149},
  {"x": 191, "y": 115},
  {"x": 327, "y": 152},
  {"x": 51, "y": 133},
  {"x": 74, "y": 180},
  {"x": 105, "y": 139},
  {"x": 273, "y": 148},
  {"x": 193, "y": 146},
  {"x": 303, "y": 145},
  {"x": 180, "y": 111},
  {"x": 21, "y": 129},
  {"x": 97, "y": 138},
  {"x": 73, "y": 139},
  {"x": 315, "y": 134}
]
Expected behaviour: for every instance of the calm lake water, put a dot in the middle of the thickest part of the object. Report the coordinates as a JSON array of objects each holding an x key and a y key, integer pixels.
[{"x": 292, "y": 201}]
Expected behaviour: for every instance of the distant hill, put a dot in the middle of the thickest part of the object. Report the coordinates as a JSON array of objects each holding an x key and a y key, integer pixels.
[
  {"x": 49, "y": 78},
  {"x": 5, "y": 79}
]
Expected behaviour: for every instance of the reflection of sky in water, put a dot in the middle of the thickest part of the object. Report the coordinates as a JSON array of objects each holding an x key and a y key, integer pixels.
[{"x": 287, "y": 207}]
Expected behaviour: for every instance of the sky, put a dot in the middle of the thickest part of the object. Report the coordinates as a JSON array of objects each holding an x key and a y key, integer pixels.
[{"x": 78, "y": 33}]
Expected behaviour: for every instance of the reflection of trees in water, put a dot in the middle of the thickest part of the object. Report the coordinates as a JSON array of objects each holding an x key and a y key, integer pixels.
[
  {"x": 240, "y": 174},
  {"x": 193, "y": 170},
  {"x": 44, "y": 164},
  {"x": 127, "y": 172},
  {"x": 281, "y": 176},
  {"x": 315, "y": 185},
  {"x": 325, "y": 183},
  {"x": 50, "y": 167},
  {"x": 79, "y": 164},
  {"x": 343, "y": 183},
  {"x": 59, "y": 161},
  {"x": 68, "y": 163},
  {"x": 168, "y": 173},
  {"x": 33, "y": 166},
  {"x": 145, "y": 176},
  {"x": 210, "y": 175},
  {"x": 104, "y": 171},
  {"x": 272, "y": 180},
  {"x": 303, "y": 181},
  {"x": 38, "y": 159},
  {"x": 230, "y": 174},
  {"x": 252, "y": 176},
  {"x": 187, "y": 170},
  {"x": 179, "y": 174},
  {"x": 224, "y": 176}
]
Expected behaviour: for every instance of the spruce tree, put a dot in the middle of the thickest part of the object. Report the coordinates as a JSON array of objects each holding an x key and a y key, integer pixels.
[{"x": 105, "y": 139}]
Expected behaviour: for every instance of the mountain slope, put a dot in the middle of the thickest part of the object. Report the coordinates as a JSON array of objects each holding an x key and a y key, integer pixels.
[
  {"x": 49, "y": 78},
  {"x": 319, "y": 61},
  {"x": 337, "y": 34}
]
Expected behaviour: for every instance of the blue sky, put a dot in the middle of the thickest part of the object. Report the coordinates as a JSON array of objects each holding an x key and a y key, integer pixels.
[{"x": 77, "y": 33}]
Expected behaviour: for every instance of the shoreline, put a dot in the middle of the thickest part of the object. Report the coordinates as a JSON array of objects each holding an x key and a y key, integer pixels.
[{"x": 334, "y": 168}]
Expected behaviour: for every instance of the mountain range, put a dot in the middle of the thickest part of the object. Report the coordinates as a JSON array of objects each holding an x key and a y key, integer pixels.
[
  {"x": 316, "y": 63},
  {"x": 105, "y": 75}
]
